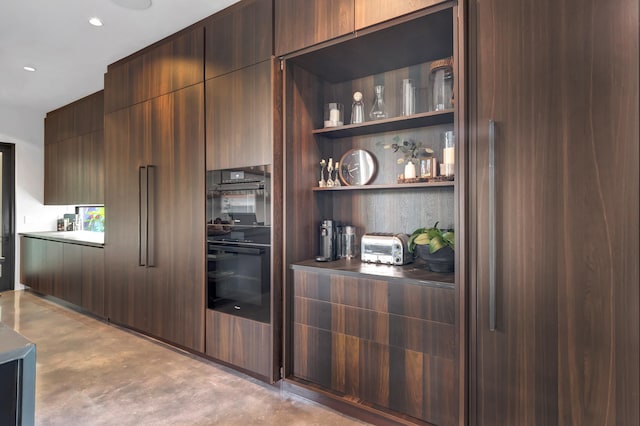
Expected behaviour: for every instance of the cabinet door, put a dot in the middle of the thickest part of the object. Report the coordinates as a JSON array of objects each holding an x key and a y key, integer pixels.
[
  {"x": 91, "y": 165},
  {"x": 175, "y": 273},
  {"x": 240, "y": 37},
  {"x": 52, "y": 174},
  {"x": 71, "y": 281},
  {"x": 565, "y": 104},
  {"x": 303, "y": 23},
  {"x": 31, "y": 263},
  {"x": 41, "y": 265},
  {"x": 93, "y": 280},
  {"x": 240, "y": 118},
  {"x": 126, "y": 141},
  {"x": 370, "y": 12},
  {"x": 169, "y": 66}
]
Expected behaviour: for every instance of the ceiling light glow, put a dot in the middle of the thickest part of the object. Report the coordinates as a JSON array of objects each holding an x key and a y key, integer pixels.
[
  {"x": 28, "y": 68},
  {"x": 95, "y": 21}
]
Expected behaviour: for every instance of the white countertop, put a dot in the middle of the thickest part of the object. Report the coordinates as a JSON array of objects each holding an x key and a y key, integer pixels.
[{"x": 80, "y": 237}]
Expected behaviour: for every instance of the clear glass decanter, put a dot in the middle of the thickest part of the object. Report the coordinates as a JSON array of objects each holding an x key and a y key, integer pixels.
[{"x": 378, "y": 110}]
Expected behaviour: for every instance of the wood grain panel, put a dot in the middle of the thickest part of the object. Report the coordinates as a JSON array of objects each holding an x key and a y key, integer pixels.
[
  {"x": 159, "y": 69},
  {"x": 424, "y": 302},
  {"x": 239, "y": 341},
  {"x": 176, "y": 275},
  {"x": 71, "y": 284},
  {"x": 93, "y": 270},
  {"x": 312, "y": 354},
  {"x": 369, "y": 12},
  {"x": 89, "y": 114},
  {"x": 300, "y": 24},
  {"x": 52, "y": 174},
  {"x": 428, "y": 337},
  {"x": 360, "y": 292},
  {"x": 240, "y": 118},
  {"x": 126, "y": 140},
  {"x": 238, "y": 37},
  {"x": 567, "y": 315}
]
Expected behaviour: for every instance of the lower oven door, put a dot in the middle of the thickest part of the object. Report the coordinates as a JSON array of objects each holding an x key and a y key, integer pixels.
[{"x": 238, "y": 280}]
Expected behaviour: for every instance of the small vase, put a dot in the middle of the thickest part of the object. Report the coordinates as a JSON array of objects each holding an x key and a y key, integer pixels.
[{"x": 409, "y": 170}]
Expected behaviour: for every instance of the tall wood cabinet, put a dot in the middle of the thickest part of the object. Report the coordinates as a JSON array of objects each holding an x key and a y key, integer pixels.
[
  {"x": 554, "y": 302},
  {"x": 74, "y": 153},
  {"x": 155, "y": 244},
  {"x": 243, "y": 93}
]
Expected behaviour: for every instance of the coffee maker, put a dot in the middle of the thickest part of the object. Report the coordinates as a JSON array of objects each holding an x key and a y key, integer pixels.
[{"x": 327, "y": 241}]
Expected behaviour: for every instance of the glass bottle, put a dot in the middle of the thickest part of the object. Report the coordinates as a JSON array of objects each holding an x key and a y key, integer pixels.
[
  {"x": 441, "y": 84},
  {"x": 378, "y": 109},
  {"x": 357, "y": 109}
]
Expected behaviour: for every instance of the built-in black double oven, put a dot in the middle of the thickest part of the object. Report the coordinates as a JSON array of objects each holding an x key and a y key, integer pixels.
[{"x": 239, "y": 242}]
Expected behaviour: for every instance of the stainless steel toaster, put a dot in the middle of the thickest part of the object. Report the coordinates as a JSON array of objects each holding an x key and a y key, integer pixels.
[{"x": 391, "y": 249}]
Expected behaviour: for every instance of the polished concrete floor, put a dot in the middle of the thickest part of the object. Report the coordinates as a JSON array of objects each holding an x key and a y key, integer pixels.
[{"x": 91, "y": 373}]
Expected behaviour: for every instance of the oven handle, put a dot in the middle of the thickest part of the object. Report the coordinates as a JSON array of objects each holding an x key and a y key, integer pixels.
[{"x": 237, "y": 249}]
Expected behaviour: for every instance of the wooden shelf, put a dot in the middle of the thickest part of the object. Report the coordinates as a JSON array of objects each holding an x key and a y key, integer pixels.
[
  {"x": 423, "y": 119},
  {"x": 394, "y": 186}
]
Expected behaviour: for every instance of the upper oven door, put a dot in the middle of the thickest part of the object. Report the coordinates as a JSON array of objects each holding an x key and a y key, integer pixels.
[{"x": 239, "y": 197}]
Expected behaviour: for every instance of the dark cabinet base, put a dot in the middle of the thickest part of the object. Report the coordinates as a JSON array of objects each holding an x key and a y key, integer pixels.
[
  {"x": 240, "y": 342},
  {"x": 390, "y": 345}
]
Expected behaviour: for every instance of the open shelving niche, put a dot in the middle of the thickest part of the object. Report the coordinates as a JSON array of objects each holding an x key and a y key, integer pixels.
[{"x": 331, "y": 74}]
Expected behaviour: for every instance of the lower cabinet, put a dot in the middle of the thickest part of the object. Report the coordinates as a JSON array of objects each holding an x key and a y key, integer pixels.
[
  {"x": 71, "y": 272},
  {"x": 387, "y": 344},
  {"x": 41, "y": 265},
  {"x": 240, "y": 342}
]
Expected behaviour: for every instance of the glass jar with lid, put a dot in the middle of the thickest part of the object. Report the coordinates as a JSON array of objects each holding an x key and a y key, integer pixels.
[{"x": 441, "y": 84}]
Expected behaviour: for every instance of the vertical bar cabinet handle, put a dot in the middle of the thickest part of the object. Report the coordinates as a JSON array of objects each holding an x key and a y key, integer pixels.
[
  {"x": 141, "y": 202},
  {"x": 151, "y": 201},
  {"x": 492, "y": 226}
]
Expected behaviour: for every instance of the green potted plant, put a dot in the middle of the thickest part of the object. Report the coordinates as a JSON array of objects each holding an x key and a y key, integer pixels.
[
  {"x": 435, "y": 246},
  {"x": 411, "y": 151}
]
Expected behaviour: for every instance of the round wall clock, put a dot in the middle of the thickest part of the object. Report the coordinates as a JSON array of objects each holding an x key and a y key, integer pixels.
[{"x": 357, "y": 167}]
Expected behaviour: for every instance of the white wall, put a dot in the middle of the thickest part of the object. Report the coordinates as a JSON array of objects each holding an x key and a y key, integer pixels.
[{"x": 25, "y": 128}]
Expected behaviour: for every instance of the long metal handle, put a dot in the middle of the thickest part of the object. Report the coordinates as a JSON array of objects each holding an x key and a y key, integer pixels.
[
  {"x": 142, "y": 220},
  {"x": 151, "y": 202},
  {"x": 492, "y": 227}
]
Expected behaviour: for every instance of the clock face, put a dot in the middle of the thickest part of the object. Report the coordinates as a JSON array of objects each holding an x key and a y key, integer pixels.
[{"x": 357, "y": 167}]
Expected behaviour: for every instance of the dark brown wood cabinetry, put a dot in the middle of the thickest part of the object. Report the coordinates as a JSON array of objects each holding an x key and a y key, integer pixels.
[
  {"x": 162, "y": 68},
  {"x": 155, "y": 241},
  {"x": 387, "y": 343},
  {"x": 564, "y": 349},
  {"x": 369, "y": 12},
  {"x": 241, "y": 107},
  {"x": 241, "y": 342},
  {"x": 299, "y": 24},
  {"x": 71, "y": 272},
  {"x": 74, "y": 153},
  {"x": 399, "y": 362},
  {"x": 41, "y": 265},
  {"x": 239, "y": 36}
]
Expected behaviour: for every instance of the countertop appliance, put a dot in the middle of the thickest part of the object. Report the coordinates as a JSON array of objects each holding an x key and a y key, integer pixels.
[{"x": 388, "y": 248}]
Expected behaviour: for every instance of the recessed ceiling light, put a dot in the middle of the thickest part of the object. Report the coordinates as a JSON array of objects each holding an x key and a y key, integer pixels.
[
  {"x": 133, "y": 4},
  {"x": 28, "y": 68},
  {"x": 95, "y": 21}
]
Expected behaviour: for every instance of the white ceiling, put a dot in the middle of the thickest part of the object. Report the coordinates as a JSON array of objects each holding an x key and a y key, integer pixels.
[{"x": 71, "y": 56}]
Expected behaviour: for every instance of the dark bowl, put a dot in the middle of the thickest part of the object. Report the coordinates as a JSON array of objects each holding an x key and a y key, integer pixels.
[{"x": 441, "y": 261}]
